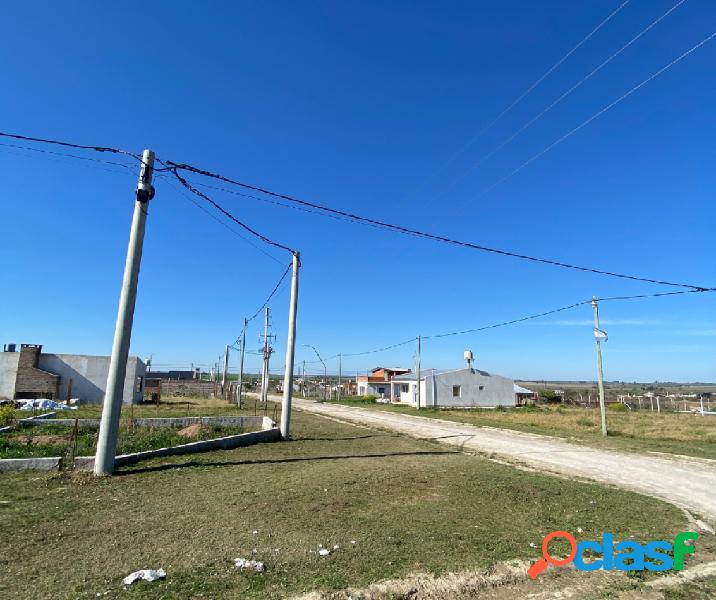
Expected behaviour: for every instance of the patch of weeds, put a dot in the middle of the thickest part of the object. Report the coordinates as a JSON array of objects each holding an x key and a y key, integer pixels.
[{"x": 585, "y": 422}]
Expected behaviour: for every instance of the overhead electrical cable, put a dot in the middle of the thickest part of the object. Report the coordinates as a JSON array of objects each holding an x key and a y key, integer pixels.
[
  {"x": 596, "y": 115},
  {"x": 584, "y": 79},
  {"x": 421, "y": 234},
  {"x": 530, "y": 88},
  {"x": 219, "y": 220},
  {"x": 221, "y": 209},
  {"x": 515, "y": 321}
]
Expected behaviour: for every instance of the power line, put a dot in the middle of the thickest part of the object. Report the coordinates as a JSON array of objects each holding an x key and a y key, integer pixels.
[
  {"x": 584, "y": 79},
  {"x": 557, "y": 310},
  {"x": 221, "y": 209},
  {"x": 218, "y": 220},
  {"x": 524, "y": 94},
  {"x": 421, "y": 234},
  {"x": 595, "y": 116},
  {"x": 66, "y": 155},
  {"x": 70, "y": 145},
  {"x": 264, "y": 305},
  {"x": 515, "y": 321}
]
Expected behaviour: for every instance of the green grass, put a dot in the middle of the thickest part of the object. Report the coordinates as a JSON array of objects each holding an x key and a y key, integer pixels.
[
  {"x": 131, "y": 439},
  {"x": 639, "y": 431},
  {"x": 410, "y": 505}
]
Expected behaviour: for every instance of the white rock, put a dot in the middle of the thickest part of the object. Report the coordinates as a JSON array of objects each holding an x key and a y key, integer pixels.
[{"x": 244, "y": 563}]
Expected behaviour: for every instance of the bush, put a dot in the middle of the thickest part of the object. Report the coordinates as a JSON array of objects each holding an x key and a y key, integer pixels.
[
  {"x": 585, "y": 422},
  {"x": 7, "y": 415},
  {"x": 617, "y": 407}
]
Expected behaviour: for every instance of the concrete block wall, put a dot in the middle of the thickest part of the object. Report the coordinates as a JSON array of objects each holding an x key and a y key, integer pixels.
[{"x": 188, "y": 388}]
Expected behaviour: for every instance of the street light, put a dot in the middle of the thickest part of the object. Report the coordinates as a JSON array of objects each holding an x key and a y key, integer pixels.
[{"x": 325, "y": 372}]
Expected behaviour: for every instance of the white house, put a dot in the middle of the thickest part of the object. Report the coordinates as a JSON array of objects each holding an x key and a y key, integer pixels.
[{"x": 458, "y": 387}]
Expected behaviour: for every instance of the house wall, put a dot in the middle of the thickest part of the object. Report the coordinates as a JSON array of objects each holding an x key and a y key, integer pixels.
[
  {"x": 497, "y": 390},
  {"x": 8, "y": 373},
  {"x": 373, "y": 387},
  {"x": 89, "y": 376}
]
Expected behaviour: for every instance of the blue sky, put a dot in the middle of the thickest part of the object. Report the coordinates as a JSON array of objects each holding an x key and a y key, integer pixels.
[{"x": 360, "y": 106}]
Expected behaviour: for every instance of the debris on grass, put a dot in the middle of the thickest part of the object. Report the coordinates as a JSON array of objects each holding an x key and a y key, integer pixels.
[
  {"x": 245, "y": 563},
  {"x": 324, "y": 552},
  {"x": 144, "y": 575}
]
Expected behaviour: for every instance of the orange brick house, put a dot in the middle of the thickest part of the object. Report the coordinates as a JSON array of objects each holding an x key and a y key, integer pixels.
[{"x": 377, "y": 382}]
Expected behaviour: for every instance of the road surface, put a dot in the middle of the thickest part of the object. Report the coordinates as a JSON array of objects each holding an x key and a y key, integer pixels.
[{"x": 685, "y": 482}]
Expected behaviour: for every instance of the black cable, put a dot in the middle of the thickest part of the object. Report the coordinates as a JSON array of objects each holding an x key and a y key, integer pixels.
[
  {"x": 69, "y": 144},
  {"x": 221, "y": 222},
  {"x": 422, "y": 234},
  {"x": 258, "y": 312},
  {"x": 221, "y": 209},
  {"x": 563, "y": 308}
]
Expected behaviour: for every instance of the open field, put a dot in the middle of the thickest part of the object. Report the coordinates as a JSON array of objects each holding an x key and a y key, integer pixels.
[
  {"x": 53, "y": 440},
  {"x": 409, "y": 505},
  {"x": 641, "y": 431}
]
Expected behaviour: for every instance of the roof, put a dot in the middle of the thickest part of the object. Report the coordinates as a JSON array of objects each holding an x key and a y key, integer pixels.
[
  {"x": 520, "y": 390},
  {"x": 432, "y": 372},
  {"x": 394, "y": 369}
]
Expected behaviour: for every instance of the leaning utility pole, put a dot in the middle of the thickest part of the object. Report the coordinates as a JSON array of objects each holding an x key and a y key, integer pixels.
[
  {"x": 112, "y": 408},
  {"x": 226, "y": 368},
  {"x": 241, "y": 361},
  {"x": 290, "y": 351},
  {"x": 267, "y": 355},
  {"x": 597, "y": 337},
  {"x": 417, "y": 369}
]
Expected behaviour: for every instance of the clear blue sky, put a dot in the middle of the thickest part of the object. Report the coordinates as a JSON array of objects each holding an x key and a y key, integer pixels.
[{"x": 359, "y": 106}]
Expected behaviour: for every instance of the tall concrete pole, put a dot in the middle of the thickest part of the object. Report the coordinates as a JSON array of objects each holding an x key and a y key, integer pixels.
[
  {"x": 226, "y": 368},
  {"x": 602, "y": 406},
  {"x": 265, "y": 369},
  {"x": 290, "y": 351},
  {"x": 417, "y": 369},
  {"x": 241, "y": 361},
  {"x": 303, "y": 378},
  {"x": 340, "y": 367},
  {"x": 112, "y": 408}
]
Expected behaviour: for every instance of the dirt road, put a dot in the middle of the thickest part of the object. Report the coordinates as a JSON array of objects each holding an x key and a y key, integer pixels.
[{"x": 689, "y": 483}]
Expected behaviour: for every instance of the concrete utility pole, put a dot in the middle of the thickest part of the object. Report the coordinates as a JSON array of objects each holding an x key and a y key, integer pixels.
[
  {"x": 325, "y": 370},
  {"x": 112, "y": 408},
  {"x": 340, "y": 366},
  {"x": 241, "y": 361},
  {"x": 226, "y": 368},
  {"x": 267, "y": 355},
  {"x": 417, "y": 372},
  {"x": 597, "y": 332},
  {"x": 303, "y": 379},
  {"x": 290, "y": 351}
]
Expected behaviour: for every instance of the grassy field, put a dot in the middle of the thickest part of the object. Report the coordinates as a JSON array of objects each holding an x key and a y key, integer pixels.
[
  {"x": 408, "y": 505},
  {"x": 53, "y": 440},
  {"x": 641, "y": 431}
]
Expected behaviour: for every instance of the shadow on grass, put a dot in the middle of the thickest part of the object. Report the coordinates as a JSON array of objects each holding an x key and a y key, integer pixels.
[
  {"x": 345, "y": 439},
  {"x": 274, "y": 461}
]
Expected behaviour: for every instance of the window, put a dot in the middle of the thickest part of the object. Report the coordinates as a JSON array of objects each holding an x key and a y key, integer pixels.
[
  {"x": 456, "y": 391},
  {"x": 139, "y": 385},
  {"x": 482, "y": 387},
  {"x": 381, "y": 390},
  {"x": 404, "y": 388}
]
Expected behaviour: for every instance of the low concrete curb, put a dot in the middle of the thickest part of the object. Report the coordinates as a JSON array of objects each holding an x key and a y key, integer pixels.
[
  {"x": 51, "y": 463},
  {"x": 243, "y": 421},
  {"x": 86, "y": 463},
  {"x": 28, "y": 421}
]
